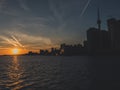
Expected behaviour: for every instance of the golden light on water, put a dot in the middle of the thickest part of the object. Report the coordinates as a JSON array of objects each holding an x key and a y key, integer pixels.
[{"x": 15, "y": 73}]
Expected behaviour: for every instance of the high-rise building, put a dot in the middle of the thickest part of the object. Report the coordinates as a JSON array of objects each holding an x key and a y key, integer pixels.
[
  {"x": 93, "y": 39},
  {"x": 105, "y": 40},
  {"x": 93, "y": 36},
  {"x": 114, "y": 31},
  {"x": 98, "y": 41}
]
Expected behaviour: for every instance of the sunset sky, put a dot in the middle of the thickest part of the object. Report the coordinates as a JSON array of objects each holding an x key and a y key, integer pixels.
[{"x": 41, "y": 24}]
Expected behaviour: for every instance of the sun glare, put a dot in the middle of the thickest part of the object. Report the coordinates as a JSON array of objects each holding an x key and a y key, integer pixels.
[{"x": 15, "y": 51}]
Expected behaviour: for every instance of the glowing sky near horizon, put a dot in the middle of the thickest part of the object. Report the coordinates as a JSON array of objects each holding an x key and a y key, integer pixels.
[{"x": 39, "y": 24}]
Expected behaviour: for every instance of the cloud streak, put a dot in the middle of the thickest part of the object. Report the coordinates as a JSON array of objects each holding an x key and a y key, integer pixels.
[
  {"x": 85, "y": 8},
  {"x": 17, "y": 41},
  {"x": 23, "y": 5},
  {"x": 20, "y": 9},
  {"x": 2, "y": 4},
  {"x": 55, "y": 11},
  {"x": 12, "y": 41},
  {"x": 25, "y": 41}
]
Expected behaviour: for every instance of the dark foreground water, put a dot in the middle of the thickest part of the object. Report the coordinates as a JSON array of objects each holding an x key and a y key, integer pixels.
[{"x": 59, "y": 73}]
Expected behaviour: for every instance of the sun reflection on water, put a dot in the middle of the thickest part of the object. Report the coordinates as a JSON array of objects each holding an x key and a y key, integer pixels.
[
  {"x": 15, "y": 70},
  {"x": 15, "y": 73}
]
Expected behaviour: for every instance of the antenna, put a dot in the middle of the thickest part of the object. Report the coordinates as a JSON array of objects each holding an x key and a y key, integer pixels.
[{"x": 98, "y": 20}]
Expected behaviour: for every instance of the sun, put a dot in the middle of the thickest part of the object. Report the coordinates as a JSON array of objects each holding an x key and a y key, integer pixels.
[{"x": 15, "y": 51}]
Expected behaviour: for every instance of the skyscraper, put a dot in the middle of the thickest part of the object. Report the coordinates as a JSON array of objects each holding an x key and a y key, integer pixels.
[
  {"x": 93, "y": 39},
  {"x": 114, "y": 31},
  {"x": 98, "y": 40}
]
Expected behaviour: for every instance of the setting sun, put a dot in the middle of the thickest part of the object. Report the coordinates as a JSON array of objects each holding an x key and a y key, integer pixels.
[{"x": 15, "y": 51}]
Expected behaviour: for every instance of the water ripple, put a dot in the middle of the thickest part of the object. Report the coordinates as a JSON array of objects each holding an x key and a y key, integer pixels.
[{"x": 43, "y": 73}]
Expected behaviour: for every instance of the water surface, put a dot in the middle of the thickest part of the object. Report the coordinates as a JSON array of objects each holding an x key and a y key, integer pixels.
[{"x": 55, "y": 73}]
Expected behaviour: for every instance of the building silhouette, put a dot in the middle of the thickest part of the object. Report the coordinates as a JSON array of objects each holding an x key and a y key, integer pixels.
[
  {"x": 44, "y": 52},
  {"x": 98, "y": 40},
  {"x": 114, "y": 31},
  {"x": 70, "y": 50},
  {"x": 105, "y": 40},
  {"x": 93, "y": 40},
  {"x": 31, "y": 53}
]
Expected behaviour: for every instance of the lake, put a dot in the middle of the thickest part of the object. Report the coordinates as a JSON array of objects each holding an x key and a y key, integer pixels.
[{"x": 59, "y": 73}]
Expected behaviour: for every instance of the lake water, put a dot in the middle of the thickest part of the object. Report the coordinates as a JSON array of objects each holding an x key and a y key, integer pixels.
[{"x": 58, "y": 73}]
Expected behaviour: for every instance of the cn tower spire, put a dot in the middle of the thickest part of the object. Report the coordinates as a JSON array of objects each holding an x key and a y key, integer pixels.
[{"x": 99, "y": 20}]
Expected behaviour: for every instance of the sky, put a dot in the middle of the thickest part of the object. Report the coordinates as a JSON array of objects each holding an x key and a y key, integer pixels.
[{"x": 42, "y": 24}]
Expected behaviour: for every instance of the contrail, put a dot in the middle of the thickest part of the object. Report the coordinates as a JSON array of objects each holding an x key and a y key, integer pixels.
[
  {"x": 16, "y": 41},
  {"x": 13, "y": 41},
  {"x": 9, "y": 41},
  {"x": 55, "y": 11},
  {"x": 85, "y": 7}
]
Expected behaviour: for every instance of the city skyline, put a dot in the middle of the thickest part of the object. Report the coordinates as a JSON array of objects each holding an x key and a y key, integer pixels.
[{"x": 33, "y": 25}]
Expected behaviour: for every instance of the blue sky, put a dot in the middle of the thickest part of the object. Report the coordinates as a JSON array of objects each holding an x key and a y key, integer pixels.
[{"x": 35, "y": 24}]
